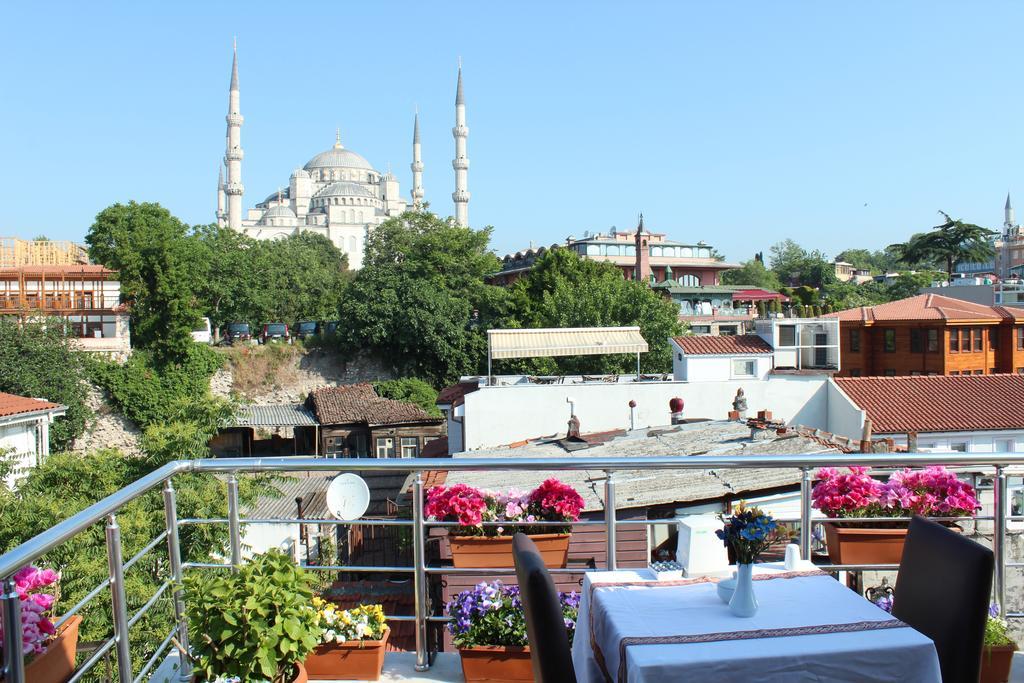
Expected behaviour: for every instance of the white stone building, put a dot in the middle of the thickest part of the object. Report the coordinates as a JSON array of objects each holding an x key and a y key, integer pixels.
[
  {"x": 337, "y": 193},
  {"x": 25, "y": 432}
]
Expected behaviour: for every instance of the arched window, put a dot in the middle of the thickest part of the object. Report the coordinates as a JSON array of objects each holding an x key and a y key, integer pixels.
[
  {"x": 593, "y": 250},
  {"x": 656, "y": 251},
  {"x": 689, "y": 281},
  {"x": 613, "y": 250},
  {"x": 352, "y": 245},
  {"x": 686, "y": 252}
]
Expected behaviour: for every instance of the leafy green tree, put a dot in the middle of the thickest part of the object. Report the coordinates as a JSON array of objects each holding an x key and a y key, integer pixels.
[
  {"x": 420, "y": 301},
  {"x": 795, "y": 265},
  {"x": 949, "y": 243},
  {"x": 37, "y": 360},
  {"x": 411, "y": 390},
  {"x": 298, "y": 278},
  {"x": 907, "y": 284},
  {"x": 158, "y": 267},
  {"x": 563, "y": 290},
  {"x": 752, "y": 273}
]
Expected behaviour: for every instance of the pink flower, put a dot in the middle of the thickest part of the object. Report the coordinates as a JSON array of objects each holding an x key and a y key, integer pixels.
[
  {"x": 557, "y": 500},
  {"x": 36, "y": 628}
]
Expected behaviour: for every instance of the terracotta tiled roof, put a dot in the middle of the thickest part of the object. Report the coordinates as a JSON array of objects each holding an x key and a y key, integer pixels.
[
  {"x": 924, "y": 307},
  {"x": 453, "y": 395},
  {"x": 722, "y": 346},
  {"x": 10, "y": 404},
  {"x": 938, "y": 403},
  {"x": 360, "y": 404}
]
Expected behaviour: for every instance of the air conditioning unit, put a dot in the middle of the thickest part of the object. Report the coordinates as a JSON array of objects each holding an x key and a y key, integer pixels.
[{"x": 698, "y": 549}]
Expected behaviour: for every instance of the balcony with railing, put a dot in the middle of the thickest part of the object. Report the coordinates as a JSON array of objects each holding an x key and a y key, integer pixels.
[{"x": 111, "y": 658}]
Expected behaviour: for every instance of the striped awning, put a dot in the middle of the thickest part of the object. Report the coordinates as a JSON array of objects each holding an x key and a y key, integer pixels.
[{"x": 565, "y": 341}]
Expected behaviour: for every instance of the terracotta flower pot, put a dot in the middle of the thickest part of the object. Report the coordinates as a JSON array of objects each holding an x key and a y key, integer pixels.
[
  {"x": 860, "y": 544},
  {"x": 357, "y": 660},
  {"x": 57, "y": 663},
  {"x": 496, "y": 664},
  {"x": 996, "y": 663},
  {"x": 475, "y": 552}
]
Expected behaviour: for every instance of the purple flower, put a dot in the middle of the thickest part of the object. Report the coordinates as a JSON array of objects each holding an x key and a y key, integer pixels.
[{"x": 993, "y": 609}]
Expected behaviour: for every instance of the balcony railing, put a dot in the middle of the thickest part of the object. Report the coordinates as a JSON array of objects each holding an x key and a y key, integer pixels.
[{"x": 994, "y": 465}]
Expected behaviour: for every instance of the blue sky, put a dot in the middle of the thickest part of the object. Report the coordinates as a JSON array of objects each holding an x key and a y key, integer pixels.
[{"x": 838, "y": 125}]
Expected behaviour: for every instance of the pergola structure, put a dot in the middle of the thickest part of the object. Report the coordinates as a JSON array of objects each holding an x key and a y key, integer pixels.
[{"x": 564, "y": 341}]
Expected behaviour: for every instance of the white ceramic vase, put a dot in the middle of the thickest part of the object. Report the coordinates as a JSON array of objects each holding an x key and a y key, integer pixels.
[{"x": 743, "y": 602}]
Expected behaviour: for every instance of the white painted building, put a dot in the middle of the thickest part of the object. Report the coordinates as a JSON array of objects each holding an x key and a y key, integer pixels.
[
  {"x": 337, "y": 193},
  {"x": 715, "y": 358},
  {"x": 25, "y": 432}
]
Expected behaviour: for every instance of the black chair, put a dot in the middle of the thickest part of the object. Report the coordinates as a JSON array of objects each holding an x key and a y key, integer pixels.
[
  {"x": 943, "y": 590},
  {"x": 550, "y": 655}
]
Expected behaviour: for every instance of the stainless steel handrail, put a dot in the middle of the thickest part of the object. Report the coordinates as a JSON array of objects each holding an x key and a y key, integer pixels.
[{"x": 603, "y": 467}]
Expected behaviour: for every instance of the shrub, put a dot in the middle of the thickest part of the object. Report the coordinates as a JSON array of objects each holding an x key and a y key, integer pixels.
[
  {"x": 256, "y": 623},
  {"x": 410, "y": 390}
]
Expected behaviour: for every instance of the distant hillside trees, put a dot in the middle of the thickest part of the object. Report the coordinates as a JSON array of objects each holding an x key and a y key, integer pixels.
[{"x": 37, "y": 360}]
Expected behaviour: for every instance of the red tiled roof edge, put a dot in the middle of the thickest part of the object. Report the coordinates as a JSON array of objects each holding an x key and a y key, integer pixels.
[
  {"x": 12, "y": 404},
  {"x": 723, "y": 346}
]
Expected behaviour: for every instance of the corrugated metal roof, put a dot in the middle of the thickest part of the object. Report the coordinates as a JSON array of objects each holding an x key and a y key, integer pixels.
[
  {"x": 312, "y": 488},
  {"x": 565, "y": 341},
  {"x": 275, "y": 415}
]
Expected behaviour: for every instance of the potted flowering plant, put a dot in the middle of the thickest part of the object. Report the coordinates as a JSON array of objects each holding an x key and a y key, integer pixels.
[
  {"x": 257, "y": 624},
  {"x": 52, "y": 650},
  {"x": 488, "y": 626},
  {"x": 475, "y": 545},
  {"x": 749, "y": 532},
  {"x": 352, "y": 644},
  {"x": 997, "y": 656},
  {"x": 931, "y": 492}
]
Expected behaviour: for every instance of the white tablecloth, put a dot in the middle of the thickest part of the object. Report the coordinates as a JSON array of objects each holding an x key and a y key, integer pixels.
[{"x": 884, "y": 655}]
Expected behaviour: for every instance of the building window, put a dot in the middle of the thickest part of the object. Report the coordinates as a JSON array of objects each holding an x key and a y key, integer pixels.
[
  {"x": 979, "y": 344},
  {"x": 787, "y": 335},
  {"x": 385, "y": 447},
  {"x": 954, "y": 372},
  {"x": 890, "y": 372},
  {"x": 855, "y": 372},
  {"x": 335, "y": 445},
  {"x": 680, "y": 356},
  {"x": 991, "y": 371},
  {"x": 1020, "y": 338},
  {"x": 689, "y": 281},
  {"x": 915, "y": 373},
  {"x": 1020, "y": 371},
  {"x": 993, "y": 338},
  {"x": 954, "y": 341},
  {"x": 933, "y": 340},
  {"x": 958, "y": 446},
  {"x": 890, "y": 340},
  {"x": 855, "y": 340},
  {"x": 410, "y": 446},
  {"x": 965, "y": 340},
  {"x": 916, "y": 341},
  {"x": 743, "y": 368},
  {"x": 979, "y": 372}
]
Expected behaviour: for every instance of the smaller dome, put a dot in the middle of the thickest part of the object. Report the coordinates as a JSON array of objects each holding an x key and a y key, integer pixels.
[
  {"x": 346, "y": 189},
  {"x": 279, "y": 211},
  {"x": 299, "y": 173}
]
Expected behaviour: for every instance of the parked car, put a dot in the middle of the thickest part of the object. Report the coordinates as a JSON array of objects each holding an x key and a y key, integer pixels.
[
  {"x": 275, "y": 332},
  {"x": 328, "y": 327},
  {"x": 203, "y": 334},
  {"x": 304, "y": 328},
  {"x": 237, "y": 332}
]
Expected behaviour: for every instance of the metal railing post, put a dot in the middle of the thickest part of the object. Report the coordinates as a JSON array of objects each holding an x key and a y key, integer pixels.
[
  {"x": 234, "y": 530},
  {"x": 14, "y": 663},
  {"x": 999, "y": 512},
  {"x": 420, "y": 575},
  {"x": 609, "y": 520},
  {"x": 118, "y": 602},
  {"x": 805, "y": 513},
  {"x": 178, "y": 595}
]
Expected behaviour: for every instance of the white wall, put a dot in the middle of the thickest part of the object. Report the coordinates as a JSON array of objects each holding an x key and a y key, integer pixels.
[
  {"x": 18, "y": 441},
  {"x": 977, "y": 441},
  {"x": 844, "y": 417},
  {"x": 500, "y": 415}
]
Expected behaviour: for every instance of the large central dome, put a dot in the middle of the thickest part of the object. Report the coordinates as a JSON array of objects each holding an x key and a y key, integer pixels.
[{"x": 337, "y": 157}]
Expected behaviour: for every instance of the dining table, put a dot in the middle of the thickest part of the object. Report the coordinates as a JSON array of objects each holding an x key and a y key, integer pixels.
[{"x": 633, "y": 626}]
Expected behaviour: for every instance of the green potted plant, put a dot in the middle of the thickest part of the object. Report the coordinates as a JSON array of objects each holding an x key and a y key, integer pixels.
[
  {"x": 997, "y": 657},
  {"x": 488, "y": 626},
  {"x": 257, "y": 623},
  {"x": 352, "y": 644}
]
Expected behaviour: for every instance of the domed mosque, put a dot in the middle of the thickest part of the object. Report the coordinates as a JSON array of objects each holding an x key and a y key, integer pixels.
[{"x": 337, "y": 193}]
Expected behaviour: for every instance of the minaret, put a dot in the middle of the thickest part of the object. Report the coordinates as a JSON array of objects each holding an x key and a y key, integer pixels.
[
  {"x": 221, "y": 218},
  {"x": 642, "y": 269},
  {"x": 417, "y": 165},
  {"x": 461, "y": 162},
  {"x": 233, "y": 155},
  {"x": 1008, "y": 217}
]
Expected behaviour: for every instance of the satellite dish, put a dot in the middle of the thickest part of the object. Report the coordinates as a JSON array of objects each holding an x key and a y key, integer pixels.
[{"x": 348, "y": 496}]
